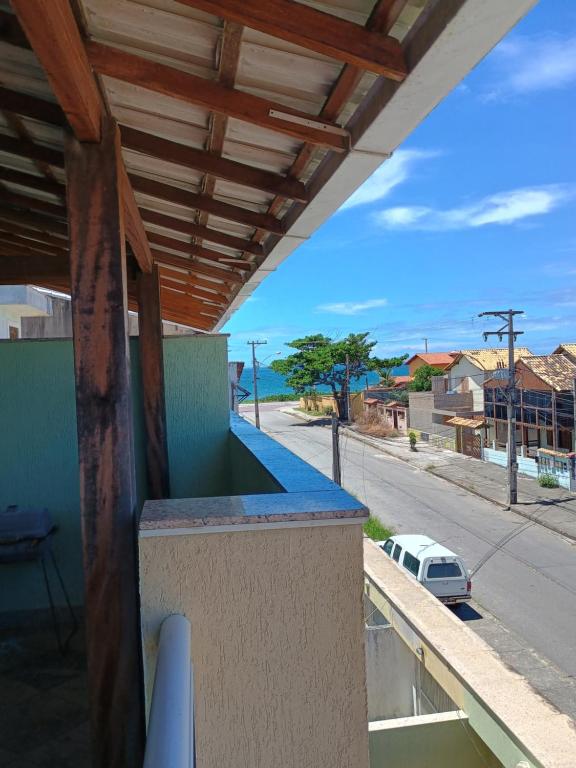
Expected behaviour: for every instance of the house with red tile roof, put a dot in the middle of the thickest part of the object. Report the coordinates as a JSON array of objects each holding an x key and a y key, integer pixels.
[{"x": 438, "y": 359}]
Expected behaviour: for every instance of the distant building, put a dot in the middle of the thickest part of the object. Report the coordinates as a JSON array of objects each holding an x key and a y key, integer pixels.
[
  {"x": 544, "y": 404},
  {"x": 438, "y": 359},
  {"x": 470, "y": 368}
]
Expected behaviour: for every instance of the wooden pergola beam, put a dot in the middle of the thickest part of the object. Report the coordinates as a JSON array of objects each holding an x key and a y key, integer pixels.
[
  {"x": 32, "y": 106},
  {"x": 238, "y": 173},
  {"x": 34, "y": 235},
  {"x": 152, "y": 380},
  {"x": 221, "y": 292},
  {"x": 8, "y": 238},
  {"x": 34, "y": 220},
  {"x": 179, "y": 298},
  {"x": 21, "y": 148},
  {"x": 106, "y": 462},
  {"x": 189, "y": 228},
  {"x": 160, "y": 191},
  {"x": 214, "y": 97},
  {"x": 35, "y": 268},
  {"x": 315, "y": 30},
  {"x": 53, "y": 33},
  {"x": 28, "y": 202},
  {"x": 32, "y": 182},
  {"x": 205, "y": 203},
  {"x": 227, "y": 276},
  {"x": 175, "y": 279}
]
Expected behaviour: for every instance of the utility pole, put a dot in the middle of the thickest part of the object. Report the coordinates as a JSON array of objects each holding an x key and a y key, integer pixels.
[
  {"x": 508, "y": 330},
  {"x": 255, "y": 344},
  {"x": 425, "y": 346},
  {"x": 336, "y": 474},
  {"x": 348, "y": 388}
]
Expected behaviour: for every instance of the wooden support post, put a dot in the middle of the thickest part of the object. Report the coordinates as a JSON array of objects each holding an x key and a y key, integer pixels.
[
  {"x": 152, "y": 370},
  {"x": 105, "y": 452}
]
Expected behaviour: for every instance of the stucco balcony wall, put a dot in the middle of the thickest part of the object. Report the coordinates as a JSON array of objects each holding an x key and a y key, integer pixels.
[{"x": 272, "y": 585}]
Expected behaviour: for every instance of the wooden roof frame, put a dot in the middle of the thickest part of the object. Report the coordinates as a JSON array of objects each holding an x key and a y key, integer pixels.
[{"x": 200, "y": 230}]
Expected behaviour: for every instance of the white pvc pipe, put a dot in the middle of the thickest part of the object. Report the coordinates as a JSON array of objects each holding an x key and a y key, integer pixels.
[{"x": 170, "y": 739}]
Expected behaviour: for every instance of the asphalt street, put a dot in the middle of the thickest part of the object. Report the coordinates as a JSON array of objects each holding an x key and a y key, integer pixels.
[{"x": 524, "y": 582}]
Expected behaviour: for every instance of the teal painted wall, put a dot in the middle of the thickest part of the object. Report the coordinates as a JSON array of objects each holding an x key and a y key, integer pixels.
[
  {"x": 197, "y": 415},
  {"x": 39, "y": 460},
  {"x": 38, "y": 443}
]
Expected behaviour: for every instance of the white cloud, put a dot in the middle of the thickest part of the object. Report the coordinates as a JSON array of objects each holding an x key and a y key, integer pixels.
[
  {"x": 390, "y": 174},
  {"x": 351, "y": 307},
  {"x": 501, "y": 208},
  {"x": 529, "y": 64}
]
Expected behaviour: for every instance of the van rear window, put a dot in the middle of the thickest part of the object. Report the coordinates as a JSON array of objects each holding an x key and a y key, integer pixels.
[{"x": 444, "y": 571}]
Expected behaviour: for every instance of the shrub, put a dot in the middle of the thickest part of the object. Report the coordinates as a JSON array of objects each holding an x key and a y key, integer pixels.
[
  {"x": 374, "y": 529},
  {"x": 547, "y": 481},
  {"x": 413, "y": 439}
]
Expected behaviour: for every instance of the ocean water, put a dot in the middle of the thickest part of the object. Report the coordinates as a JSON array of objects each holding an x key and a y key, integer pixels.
[{"x": 271, "y": 383}]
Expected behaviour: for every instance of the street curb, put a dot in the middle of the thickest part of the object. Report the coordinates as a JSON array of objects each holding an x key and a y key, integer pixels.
[{"x": 515, "y": 508}]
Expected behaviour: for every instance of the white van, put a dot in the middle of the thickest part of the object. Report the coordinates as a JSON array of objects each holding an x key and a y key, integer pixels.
[{"x": 437, "y": 568}]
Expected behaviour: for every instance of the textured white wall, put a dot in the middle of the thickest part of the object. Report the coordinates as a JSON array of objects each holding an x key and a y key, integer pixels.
[{"x": 277, "y": 642}]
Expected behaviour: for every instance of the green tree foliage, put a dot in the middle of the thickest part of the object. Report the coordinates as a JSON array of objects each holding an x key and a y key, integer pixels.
[
  {"x": 319, "y": 360},
  {"x": 385, "y": 367},
  {"x": 423, "y": 378}
]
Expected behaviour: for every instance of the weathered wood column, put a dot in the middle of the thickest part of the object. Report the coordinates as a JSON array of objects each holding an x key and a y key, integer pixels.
[
  {"x": 152, "y": 370},
  {"x": 105, "y": 450}
]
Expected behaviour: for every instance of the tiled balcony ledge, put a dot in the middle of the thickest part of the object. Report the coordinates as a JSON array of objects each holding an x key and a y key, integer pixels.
[{"x": 305, "y": 497}]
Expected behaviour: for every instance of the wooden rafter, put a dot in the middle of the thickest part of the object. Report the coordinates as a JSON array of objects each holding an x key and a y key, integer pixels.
[
  {"x": 17, "y": 125},
  {"x": 225, "y": 275},
  {"x": 238, "y": 173},
  {"x": 227, "y": 70},
  {"x": 205, "y": 203},
  {"x": 53, "y": 33},
  {"x": 32, "y": 204},
  {"x": 382, "y": 19},
  {"x": 214, "y": 97},
  {"x": 32, "y": 182},
  {"x": 35, "y": 268},
  {"x": 188, "y": 228},
  {"x": 34, "y": 220},
  {"x": 318, "y": 31}
]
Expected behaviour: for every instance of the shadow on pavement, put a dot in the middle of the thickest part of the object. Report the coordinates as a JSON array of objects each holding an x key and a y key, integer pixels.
[{"x": 465, "y": 612}]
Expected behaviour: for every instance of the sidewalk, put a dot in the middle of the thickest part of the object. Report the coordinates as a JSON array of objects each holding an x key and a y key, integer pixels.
[{"x": 553, "y": 508}]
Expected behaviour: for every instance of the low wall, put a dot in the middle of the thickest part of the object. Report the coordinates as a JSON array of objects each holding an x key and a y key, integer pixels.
[
  {"x": 526, "y": 466},
  {"x": 434, "y": 741},
  {"x": 390, "y": 674},
  {"x": 448, "y": 443}
]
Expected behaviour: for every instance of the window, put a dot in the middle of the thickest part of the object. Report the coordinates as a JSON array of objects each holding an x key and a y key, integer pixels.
[
  {"x": 411, "y": 563},
  {"x": 397, "y": 551},
  {"x": 388, "y": 547},
  {"x": 544, "y": 418},
  {"x": 443, "y": 571},
  {"x": 489, "y": 410},
  {"x": 501, "y": 412},
  {"x": 537, "y": 399}
]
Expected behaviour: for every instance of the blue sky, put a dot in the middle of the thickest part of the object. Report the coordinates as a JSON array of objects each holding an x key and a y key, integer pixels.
[{"x": 475, "y": 211}]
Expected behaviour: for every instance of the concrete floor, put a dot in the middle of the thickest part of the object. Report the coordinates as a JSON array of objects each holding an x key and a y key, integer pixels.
[
  {"x": 524, "y": 588},
  {"x": 43, "y": 706}
]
